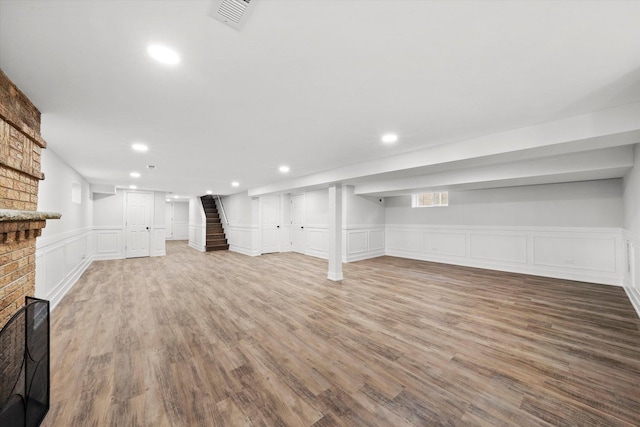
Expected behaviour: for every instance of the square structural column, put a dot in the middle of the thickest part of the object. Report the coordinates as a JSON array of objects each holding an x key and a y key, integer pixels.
[{"x": 335, "y": 232}]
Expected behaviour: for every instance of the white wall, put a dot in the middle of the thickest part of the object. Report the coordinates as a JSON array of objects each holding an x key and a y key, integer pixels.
[
  {"x": 363, "y": 228},
  {"x": 631, "y": 206},
  {"x": 109, "y": 225},
  {"x": 177, "y": 220},
  {"x": 197, "y": 225},
  {"x": 66, "y": 246},
  {"x": 578, "y": 204},
  {"x": 571, "y": 231},
  {"x": 158, "y": 228},
  {"x": 243, "y": 230}
]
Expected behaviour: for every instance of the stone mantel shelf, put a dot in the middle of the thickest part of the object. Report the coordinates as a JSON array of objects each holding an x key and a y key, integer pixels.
[{"x": 7, "y": 215}]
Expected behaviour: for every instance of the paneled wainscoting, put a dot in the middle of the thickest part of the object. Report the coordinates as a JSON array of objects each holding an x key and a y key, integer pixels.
[
  {"x": 197, "y": 237},
  {"x": 362, "y": 242},
  {"x": 269, "y": 341},
  {"x": 632, "y": 268},
  {"x": 243, "y": 238},
  {"x": 61, "y": 259},
  {"x": 586, "y": 254}
]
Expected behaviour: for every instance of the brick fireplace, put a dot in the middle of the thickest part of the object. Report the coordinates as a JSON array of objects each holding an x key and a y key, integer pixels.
[{"x": 20, "y": 174}]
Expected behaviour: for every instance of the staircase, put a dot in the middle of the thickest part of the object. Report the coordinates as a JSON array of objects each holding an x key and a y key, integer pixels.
[{"x": 216, "y": 240}]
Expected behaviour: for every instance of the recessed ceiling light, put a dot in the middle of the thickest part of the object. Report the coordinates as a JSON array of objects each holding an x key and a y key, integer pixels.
[
  {"x": 133, "y": 187},
  {"x": 141, "y": 148},
  {"x": 134, "y": 174},
  {"x": 235, "y": 183},
  {"x": 284, "y": 169},
  {"x": 389, "y": 138},
  {"x": 163, "y": 54},
  {"x": 168, "y": 200},
  {"x": 209, "y": 192},
  {"x": 175, "y": 197}
]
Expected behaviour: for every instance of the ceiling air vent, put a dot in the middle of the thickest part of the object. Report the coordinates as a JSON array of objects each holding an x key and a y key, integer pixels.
[{"x": 232, "y": 12}]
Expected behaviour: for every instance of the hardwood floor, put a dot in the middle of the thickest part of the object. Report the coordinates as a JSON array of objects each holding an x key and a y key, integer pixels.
[{"x": 221, "y": 339}]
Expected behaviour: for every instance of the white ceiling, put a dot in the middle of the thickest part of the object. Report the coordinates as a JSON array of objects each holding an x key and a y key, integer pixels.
[{"x": 311, "y": 84}]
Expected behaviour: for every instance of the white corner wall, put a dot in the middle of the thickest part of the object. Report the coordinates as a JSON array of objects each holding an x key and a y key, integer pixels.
[
  {"x": 66, "y": 246},
  {"x": 363, "y": 229},
  {"x": 197, "y": 225},
  {"x": 631, "y": 205},
  {"x": 177, "y": 221},
  {"x": 243, "y": 230},
  {"x": 571, "y": 231}
]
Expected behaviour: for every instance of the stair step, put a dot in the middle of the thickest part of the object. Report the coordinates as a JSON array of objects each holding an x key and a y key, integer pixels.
[
  {"x": 217, "y": 236},
  {"x": 217, "y": 248}
]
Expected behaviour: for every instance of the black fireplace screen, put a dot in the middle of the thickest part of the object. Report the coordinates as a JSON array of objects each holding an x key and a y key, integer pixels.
[{"x": 24, "y": 366}]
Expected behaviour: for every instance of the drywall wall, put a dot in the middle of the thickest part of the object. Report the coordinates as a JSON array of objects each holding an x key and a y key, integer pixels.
[
  {"x": 67, "y": 245},
  {"x": 579, "y": 204},
  {"x": 55, "y": 195},
  {"x": 108, "y": 209},
  {"x": 361, "y": 210},
  {"x": 631, "y": 207},
  {"x": 177, "y": 220},
  {"x": 239, "y": 209},
  {"x": 631, "y": 195},
  {"x": 363, "y": 221},
  {"x": 316, "y": 207},
  {"x": 197, "y": 225}
]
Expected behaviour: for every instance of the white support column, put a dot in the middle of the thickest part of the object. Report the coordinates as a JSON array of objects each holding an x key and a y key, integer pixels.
[{"x": 335, "y": 232}]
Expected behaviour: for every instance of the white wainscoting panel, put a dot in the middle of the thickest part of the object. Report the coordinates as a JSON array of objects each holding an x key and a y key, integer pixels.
[
  {"x": 158, "y": 241},
  {"x": 180, "y": 231},
  {"x": 362, "y": 242},
  {"x": 109, "y": 242},
  {"x": 316, "y": 241},
  {"x": 285, "y": 238},
  {"x": 498, "y": 247},
  {"x": 578, "y": 252},
  {"x": 584, "y": 254},
  {"x": 197, "y": 237},
  {"x": 60, "y": 261},
  {"x": 452, "y": 244},
  {"x": 243, "y": 238},
  {"x": 632, "y": 268}
]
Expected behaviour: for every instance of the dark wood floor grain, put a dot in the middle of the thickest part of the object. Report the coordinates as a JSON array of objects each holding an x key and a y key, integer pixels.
[{"x": 221, "y": 339}]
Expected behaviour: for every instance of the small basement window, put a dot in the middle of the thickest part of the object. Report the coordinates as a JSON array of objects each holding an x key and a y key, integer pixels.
[{"x": 429, "y": 200}]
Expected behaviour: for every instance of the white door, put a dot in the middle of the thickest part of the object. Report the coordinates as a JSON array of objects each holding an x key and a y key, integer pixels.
[
  {"x": 270, "y": 223},
  {"x": 297, "y": 223},
  {"x": 138, "y": 224},
  {"x": 168, "y": 216}
]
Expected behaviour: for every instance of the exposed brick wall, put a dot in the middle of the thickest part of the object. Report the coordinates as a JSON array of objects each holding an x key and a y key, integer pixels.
[{"x": 20, "y": 151}]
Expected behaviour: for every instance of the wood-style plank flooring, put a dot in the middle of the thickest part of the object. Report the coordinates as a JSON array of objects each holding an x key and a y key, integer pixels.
[{"x": 222, "y": 339}]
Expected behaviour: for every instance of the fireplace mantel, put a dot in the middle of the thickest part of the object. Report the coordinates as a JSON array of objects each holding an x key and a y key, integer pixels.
[
  {"x": 18, "y": 225},
  {"x": 18, "y": 215}
]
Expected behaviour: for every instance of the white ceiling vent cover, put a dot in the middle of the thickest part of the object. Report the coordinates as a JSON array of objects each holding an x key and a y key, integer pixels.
[{"x": 232, "y": 12}]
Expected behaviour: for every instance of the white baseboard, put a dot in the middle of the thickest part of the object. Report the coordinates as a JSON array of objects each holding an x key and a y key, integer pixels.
[
  {"x": 197, "y": 247},
  {"x": 520, "y": 269},
  {"x": 634, "y": 297},
  {"x": 243, "y": 250},
  {"x": 362, "y": 256},
  {"x": 594, "y": 255},
  {"x": 56, "y": 295}
]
